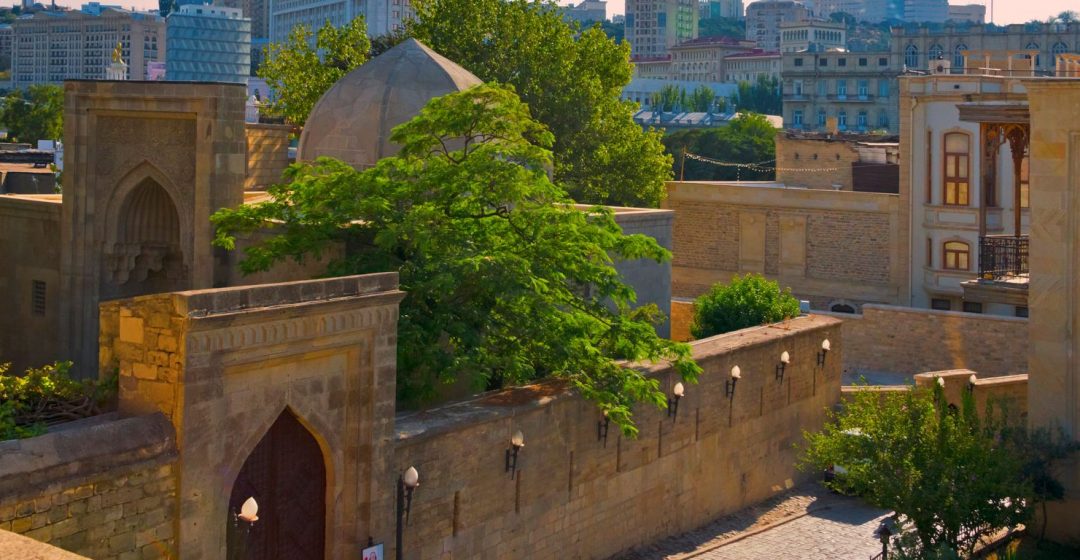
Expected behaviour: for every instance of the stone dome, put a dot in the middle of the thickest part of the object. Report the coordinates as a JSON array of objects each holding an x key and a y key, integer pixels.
[{"x": 353, "y": 119}]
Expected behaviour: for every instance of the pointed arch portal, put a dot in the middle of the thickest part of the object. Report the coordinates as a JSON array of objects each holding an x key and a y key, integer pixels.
[{"x": 286, "y": 475}]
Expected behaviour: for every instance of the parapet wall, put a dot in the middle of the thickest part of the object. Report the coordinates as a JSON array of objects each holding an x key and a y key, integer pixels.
[
  {"x": 576, "y": 495},
  {"x": 906, "y": 340},
  {"x": 267, "y": 154},
  {"x": 100, "y": 487}
]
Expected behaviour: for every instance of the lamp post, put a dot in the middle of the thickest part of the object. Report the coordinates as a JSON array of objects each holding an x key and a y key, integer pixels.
[
  {"x": 729, "y": 385},
  {"x": 406, "y": 484},
  {"x": 883, "y": 533},
  {"x": 825, "y": 347},
  {"x": 248, "y": 513},
  {"x": 971, "y": 384},
  {"x": 677, "y": 393},
  {"x": 602, "y": 428},
  {"x": 517, "y": 441},
  {"x": 785, "y": 359}
]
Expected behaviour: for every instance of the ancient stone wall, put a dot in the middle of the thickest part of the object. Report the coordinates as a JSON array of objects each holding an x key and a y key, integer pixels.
[
  {"x": 1008, "y": 391},
  {"x": 909, "y": 341},
  {"x": 267, "y": 154},
  {"x": 29, "y": 280},
  {"x": 578, "y": 495},
  {"x": 814, "y": 163},
  {"x": 831, "y": 248},
  {"x": 101, "y": 487}
]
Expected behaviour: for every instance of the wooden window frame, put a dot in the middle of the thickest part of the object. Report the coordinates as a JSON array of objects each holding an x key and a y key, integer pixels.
[
  {"x": 946, "y": 178},
  {"x": 1025, "y": 183},
  {"x": 946, "y": 253}
]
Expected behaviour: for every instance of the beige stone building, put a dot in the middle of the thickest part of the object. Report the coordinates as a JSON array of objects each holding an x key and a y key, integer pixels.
[
  {"x": 50, "y": 47},
  {"x": 704, "y": 59},
  {"x": 967, "y": 13},
  {"x": 848, "y": 162},
  {"x": 918, "y": 49},
  {"x": 857, "y": 89},
  {"x": 749, "y": 66},
  {"x": 812, "y": 35}
]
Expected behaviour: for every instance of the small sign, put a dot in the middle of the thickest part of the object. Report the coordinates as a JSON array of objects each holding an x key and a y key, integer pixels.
[{"x": 373, "y": 552}]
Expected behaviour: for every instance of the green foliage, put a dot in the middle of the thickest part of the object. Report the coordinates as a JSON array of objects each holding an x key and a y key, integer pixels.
[
  {"x": 701, "y": 99},
  {"x": 722, "y": 27},
  {"x": 615, "y": 31},
  {"x": 747, "y": 301},
  {"x": 385, "y": 42},
  {"x": 491, "y": 254},
  {"x": 45, "y": 396},
  {"x": 748, "y": 138},
  {"x": 762, "y": 96},
  {"x": 36, "y": 114},
  {"x": 571, "y": 79},
  {"x": 951, "y": 476},
  {"x": 667, "y": 98},
  {"x": 303, "y": 67}
]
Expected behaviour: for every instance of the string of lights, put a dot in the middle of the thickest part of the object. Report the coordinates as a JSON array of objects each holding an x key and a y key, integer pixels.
[{"x": 761, "y": 168}]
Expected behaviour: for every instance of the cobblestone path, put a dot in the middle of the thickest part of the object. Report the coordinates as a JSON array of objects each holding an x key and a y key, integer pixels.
[{"x": 836, "y": 528}]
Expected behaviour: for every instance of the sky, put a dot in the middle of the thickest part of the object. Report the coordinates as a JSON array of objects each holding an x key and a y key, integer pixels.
[{"x": 1005, "y": 11}]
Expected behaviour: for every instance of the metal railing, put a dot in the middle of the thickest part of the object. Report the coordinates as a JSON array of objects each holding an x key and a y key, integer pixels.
[{"x": 1003, "y": 255}]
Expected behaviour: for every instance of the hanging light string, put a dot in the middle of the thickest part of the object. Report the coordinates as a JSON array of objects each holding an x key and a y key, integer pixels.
[{"x": 762, "y": 168}]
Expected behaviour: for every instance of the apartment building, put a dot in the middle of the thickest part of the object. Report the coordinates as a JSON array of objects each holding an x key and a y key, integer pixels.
[
  {"x": 653, "y": 27},
  {"x": 586, "y": 11},
  {"x": 858, "y": 90},
  {"x": 748, "y": 66},
  {"x": 704, "y": 59},
  {"x": 49, "y": 47},
  {"x": 967, "y": 13},
  {"x": 926, "y": 11},
  {"x": 763, "y": 20},
  {"x": 208, "y": 44},
  {"x": 873, "y": 11},
  {"x": 722, "y": 9},
  {"x": 919, "y": 47},
  {"x": 382, "y": 16},
  {"x": 812, "y": 35}
]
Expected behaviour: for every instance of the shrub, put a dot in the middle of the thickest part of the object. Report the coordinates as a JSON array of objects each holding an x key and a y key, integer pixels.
[
  {"x": 747, "y": 301},
  {"x": 48, "y": 395}
]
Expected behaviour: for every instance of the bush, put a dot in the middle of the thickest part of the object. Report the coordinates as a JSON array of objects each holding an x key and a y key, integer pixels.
[
  {"x": 48, "y": 395},
  {"x": 747, "y": 301}
]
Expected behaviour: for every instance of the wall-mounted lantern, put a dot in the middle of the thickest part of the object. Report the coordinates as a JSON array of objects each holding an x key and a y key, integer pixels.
[
  {"x": 677, "y": 393},
  {"x": 249, "y": 511},
  {"x": 729, "y": 385},
  {"x": 940, "y": 382},
  {"x": 602, "y": 426},
  {"x": 971, "y": 383},
  {"x": 406, "y": 484},
  {"x": 517, "y": 441},
  {"x": 785, "y": 359},
  {"x": 825, "y": 347}
]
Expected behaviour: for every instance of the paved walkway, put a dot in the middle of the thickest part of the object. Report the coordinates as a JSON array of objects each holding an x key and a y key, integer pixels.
[{"x": 805, "y": 523}]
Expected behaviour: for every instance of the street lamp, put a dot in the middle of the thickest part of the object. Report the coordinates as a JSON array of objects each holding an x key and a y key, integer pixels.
[
  {"x": 677, "y": 393},
  {"x": 825, "y": 347},
  {"x": 517, "y": 441},
  {"x": 785, "y": 359},
  {"x": 249, "y": 514},
  {"x": 602, "y": 428},
  {"x": 882, "y": 533},
  {"x": 971, "y": 383},
  {"x": 729, "y": 385},
  {"x": 406, "y": 484}
]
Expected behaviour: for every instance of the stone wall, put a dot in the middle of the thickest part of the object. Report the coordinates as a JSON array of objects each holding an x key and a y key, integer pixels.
[
  {"x": 267, "y": 154},
  {"x": 651, "y": 280},
  {"x": 829, "y": 247},
  {"x": 1009, "y": 391},
  {"x": 101, "y": 487},
  {"x": 909, "y": 341},
  {"x": 814, "y": 163},
  {"x": 29, "y": 258},
  {"x": 576, "y": 495}
]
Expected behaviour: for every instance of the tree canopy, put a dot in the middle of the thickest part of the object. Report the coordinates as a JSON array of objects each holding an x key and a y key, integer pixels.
[
  {"x": 507, "y": 282},
  {"x": 748, "y": 138},
  {"x": 764, "y": 96},
  {"x": 747, "y": 301},
  {"x": 36, "y": 114},
  {"x": 571, "y": 80},
  {"x": 301, "y": 69}
]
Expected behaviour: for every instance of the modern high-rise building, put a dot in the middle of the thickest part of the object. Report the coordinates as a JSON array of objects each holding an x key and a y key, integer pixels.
[
  {"x": 863, "y": 10},
  {"x": 208, "y": 44},
  {"x": 722, "y": 9},
  {"x": 49, "y": 47},
  {"x": 763, "y": 20},
  {"x": 654, "y": 26},
  {"x": 968, "y": 13},
  {"x": 586, "y": 11},
  {"x": 382, "y": 16},
  {"x": 932, "y": 11}
]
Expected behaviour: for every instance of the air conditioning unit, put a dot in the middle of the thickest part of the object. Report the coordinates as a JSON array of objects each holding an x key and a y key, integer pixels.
[{"x": 940, "y": 67}]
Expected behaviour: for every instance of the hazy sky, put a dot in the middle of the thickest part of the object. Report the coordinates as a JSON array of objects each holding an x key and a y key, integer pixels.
[{"x": 1005, "y": 11}]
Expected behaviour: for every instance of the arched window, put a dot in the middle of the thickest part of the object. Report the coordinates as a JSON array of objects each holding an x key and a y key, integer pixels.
[
  {"x": 956, "y": 256},
  {"x": 956, "y": 176},
  {"x": 936, "y": 52},
  {"x": 911, "y": 56},
  {"x": 1034, "y": 47},
  {"x": 958, "y": 56},
  {"x": 1058, "y": 49},
  {"x": 842, "y": 308}
]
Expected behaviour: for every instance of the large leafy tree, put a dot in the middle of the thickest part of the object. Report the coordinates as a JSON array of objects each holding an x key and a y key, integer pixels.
[
  {"x": 951, "y": 476},
  {"x": 746, "y": 301},
  {"x": 301, "y": 69},
  {"x": 571, "y": 80},
  {"x": 507, "y": 282},
  {"x": 747, "y": 139},
  {"x": 36, "y": 114}
]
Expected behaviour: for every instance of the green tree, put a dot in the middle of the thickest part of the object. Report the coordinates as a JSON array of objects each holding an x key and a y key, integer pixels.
[
  {"x": 701, "y": 99},
  {"x": 491, "y": 254},
  {"x": 572, "y": 80},
  {"x": 36, "y": 114},
  {"x": 747, "y": 139},
  {"x": 615, "y": 31},
  {"x": 301, "y": 69},
  {"x": 667, "y": 98},
  {"x": 951, "y": 476},
  {"x": 747, "y": 301},
  {"x": 722, "y": 27},
  {"x": 762, "y": 96}
]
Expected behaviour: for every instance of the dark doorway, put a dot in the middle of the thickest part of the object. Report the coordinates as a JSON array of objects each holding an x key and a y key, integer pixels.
[{"x": 286, "y": 476}]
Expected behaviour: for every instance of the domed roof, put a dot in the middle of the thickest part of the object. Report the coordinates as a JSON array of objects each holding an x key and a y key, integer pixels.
[{"x": 353, "y": 119}]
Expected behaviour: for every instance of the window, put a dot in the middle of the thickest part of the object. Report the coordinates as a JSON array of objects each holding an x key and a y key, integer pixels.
[
  {"x": 940, "y": 304},
  {"x": 883, "y": 119},
  {"x": 972, "y": 307},
  {"x": 911, "y": 56},
  {"x": 841, "y": 120},
  {"x": 841, "y": 62},
  {"x": 37, "y": 297},
  {"x": 929, "y": 253},
  {"x": 798, "y": 88},
  {"x": 883, "y": 88},
  {"x": 1057, "y": 50},
  {"x": 798, "y": 62},
  {"x": 821, "y": 117},
  {"x": 862, "y": 62},
  {"x": 862, "y": 120},
  {"x": 1021, "y": 311},
  {"x": 936, "y": 52},
  {"x": 823, "y": 62},
  {"x": 958, "y": 56},
  {"x": 956, "y": 177},
  {"x": 842, "y": 308},
  {"x": 864, "y": 89},
  {"x": 883, "y": 61},
  {"x": 1034, "y": 47},
  {"x": 797, "y": 119},
  {"x": 1025, "y": 182},
  {"x": 956, "y": 256},
  {"x": 841, "y": 89},
  {"x": 822, "y": 88}
]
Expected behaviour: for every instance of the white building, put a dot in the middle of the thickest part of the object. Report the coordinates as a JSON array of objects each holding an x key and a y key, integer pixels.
[
  {"x": 816, "y": 35},
  {"x": 382, "y": 16},
  {"x": 748, "y": 66}
]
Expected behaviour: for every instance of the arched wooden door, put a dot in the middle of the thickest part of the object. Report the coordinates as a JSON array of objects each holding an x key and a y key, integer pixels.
[{"x": 286, "y": 476}]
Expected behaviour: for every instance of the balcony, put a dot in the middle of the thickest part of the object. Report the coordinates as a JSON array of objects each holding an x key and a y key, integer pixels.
[{"x": 1002, "y": 256}]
